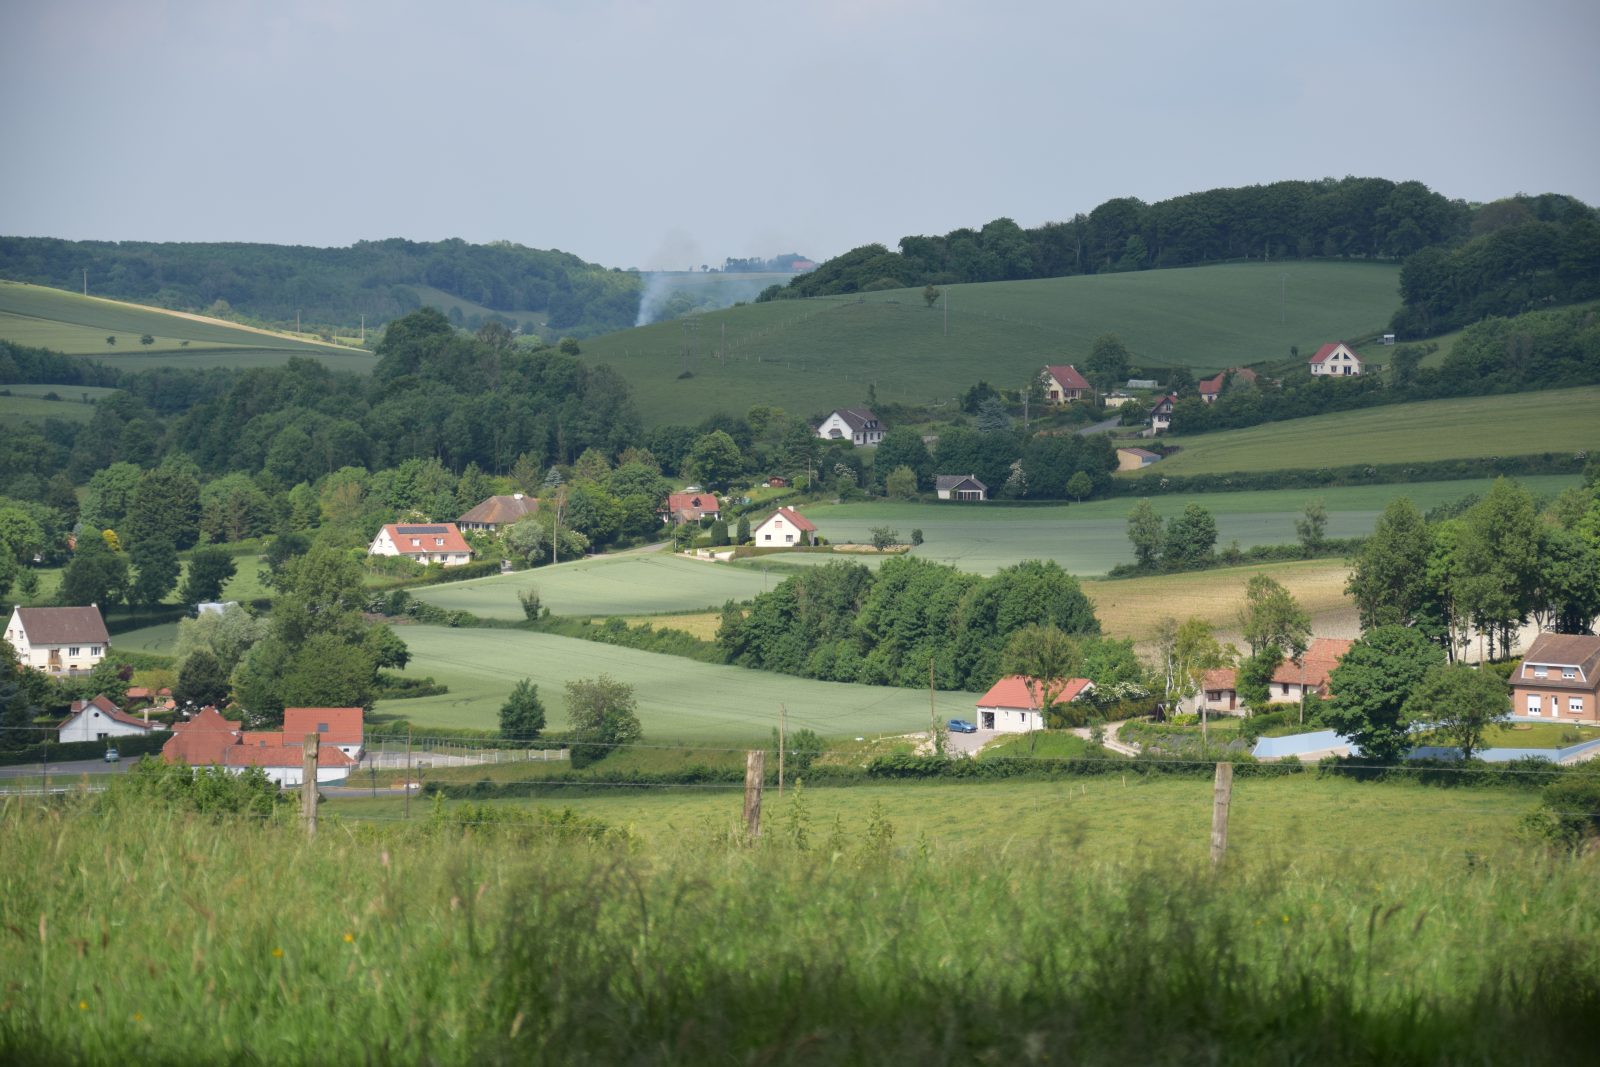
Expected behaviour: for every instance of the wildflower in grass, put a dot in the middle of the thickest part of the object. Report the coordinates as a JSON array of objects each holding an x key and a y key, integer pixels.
[
  {"x": 1286, "y": 918},
  {"x": 83, "y": 1005},
  {"x": 137, "y": 1017},
  {"x": 349, "y": 938},
  {"x": 277, "y": 953}
]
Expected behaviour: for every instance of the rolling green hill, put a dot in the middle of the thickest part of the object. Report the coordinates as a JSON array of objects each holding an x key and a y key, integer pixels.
[
  {"x": 79, "y": 325},
  {"x": 1555, "y": 420},
  {"x": 808, "y": 356}
]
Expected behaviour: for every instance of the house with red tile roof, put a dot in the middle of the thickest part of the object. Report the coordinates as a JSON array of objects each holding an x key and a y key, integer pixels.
[
  {"x": 432, "y": 542},
  {"x": 688, "y": 507},
  {"x": 1063, "y": 384},
  {"x": 785, "y": 526},
  {"x": 209, "y": 740},
  {"x": 101, "y": 720},
  {"x": 1012, "y": 705},
  {"x": 1336, "y": 360},
  {"x": 340, "y": 727},
  {"x": 1559, "y": 678},
  {"x": 1219, "y": 691},
  {"x": 1211, "y": 388},
  {"x": 59, "y": 641}
]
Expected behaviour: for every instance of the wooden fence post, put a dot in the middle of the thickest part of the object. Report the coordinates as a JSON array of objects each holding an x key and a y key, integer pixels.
[
  {"x": 308, "y": 784},
  {"x": 755, "y": 768},
  {"x": 1221, "y": 797}
]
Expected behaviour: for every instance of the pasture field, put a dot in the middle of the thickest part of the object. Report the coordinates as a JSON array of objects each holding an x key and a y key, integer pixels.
[
  {"x": 77, "y": 325},
  {"x": 632, "y": 583},
  {"x": 679, "y": 699},
  {"x": 78, "y": 394},
  {"x": 990, "y": 923},
  {"x": 1556, "y": 420},
  {"x": 15, "y": 410},
  {"x": 1131, "y": 607},
  {"x": 1092, "y": 537},
  {"x": 810, "y": 356}
]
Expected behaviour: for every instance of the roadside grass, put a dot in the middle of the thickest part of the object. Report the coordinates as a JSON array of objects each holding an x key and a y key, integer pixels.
[
  {"x": 679, "y": 699},
  {"x": 910, "y": 924},
  {"x": 817, "y": 354},
  {"x": 1043, "y": 744},
  {"x": 629, "y": 584},
  {"x": 1555, "y": 420},
  {"x": 1092, "y": 537}
]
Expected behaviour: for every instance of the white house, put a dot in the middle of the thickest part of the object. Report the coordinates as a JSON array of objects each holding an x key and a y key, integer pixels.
[
  {"x": 100, "y": 720},
  {"x": 1161, "y": 415},
  {"x": 64, "y": 641},
  {"x": 209, "y": 740},
  {"x": 1063, "y": 384},
  {"x": 1290, "y": 683},
  {"x": 1011, "y": 707},
  {"x": 438, "y": 542},
  {"x": 339, "y": 727},
  {"x": 856, "y": 425},
  {"x": 1336, "y": 360},
  {"x": 783, "y": 527},
  {"x": 959, "y": 487}
]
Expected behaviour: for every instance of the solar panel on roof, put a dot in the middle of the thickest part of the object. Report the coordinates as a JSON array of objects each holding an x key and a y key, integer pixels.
[{"x": 420, "y": 529}]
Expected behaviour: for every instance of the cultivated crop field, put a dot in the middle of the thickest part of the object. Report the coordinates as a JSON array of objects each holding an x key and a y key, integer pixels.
[
  {"x": 1556, "y": 420},
  {"x": 15, "y": 410},
  {"x": 810, "y": 356},
  {"x": 1092, "y": 537},
  {"x": 77, "y": 325},
  {"x": 679, "y": 699},
  {"x": 927, "y": 925},
  {"x": 1131, "y": 607},
  {"x": 634, "y": 583}
]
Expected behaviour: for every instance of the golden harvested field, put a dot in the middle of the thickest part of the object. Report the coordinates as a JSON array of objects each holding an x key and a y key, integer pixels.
[
  {"x": 701, "y": 624},
  {"x": 1132, "y": 607}
]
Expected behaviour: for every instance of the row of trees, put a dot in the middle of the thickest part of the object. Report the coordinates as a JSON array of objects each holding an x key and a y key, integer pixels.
[{"x": 1349, "y": 217}]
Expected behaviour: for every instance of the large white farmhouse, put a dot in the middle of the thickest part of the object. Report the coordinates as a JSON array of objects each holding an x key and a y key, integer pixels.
[
  {"x": 1336, "y": 360},
  {"x": 64, "y": 641},
  {"x": 856, "y": 425},
  {"x": 435, "y": 542}
]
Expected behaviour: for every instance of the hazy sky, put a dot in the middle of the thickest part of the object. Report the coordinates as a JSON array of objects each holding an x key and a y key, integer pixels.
[{"x": 669, "y": 134}]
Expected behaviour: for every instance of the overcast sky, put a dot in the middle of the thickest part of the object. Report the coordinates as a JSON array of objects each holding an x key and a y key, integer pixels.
[{"x": 669, "y": 134}]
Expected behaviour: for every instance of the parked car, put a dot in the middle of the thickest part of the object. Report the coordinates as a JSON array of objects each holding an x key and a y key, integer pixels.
[
  {"x": 962, "y": 726},
  {"x": 112, "y": 755}
]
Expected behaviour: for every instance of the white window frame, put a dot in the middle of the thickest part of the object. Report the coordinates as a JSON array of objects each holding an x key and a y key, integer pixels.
[
  {"x": 1535, "y": 704},
  {"x": 1574, "y": 705}
]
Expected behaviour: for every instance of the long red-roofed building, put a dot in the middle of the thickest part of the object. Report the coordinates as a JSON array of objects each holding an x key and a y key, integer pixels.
[{"x": 209, "y": 740}]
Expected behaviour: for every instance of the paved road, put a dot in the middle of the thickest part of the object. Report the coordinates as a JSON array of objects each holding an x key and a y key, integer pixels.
[
  {"x": 1100, "y": 427},
  {"x": 71, "y": 769}
]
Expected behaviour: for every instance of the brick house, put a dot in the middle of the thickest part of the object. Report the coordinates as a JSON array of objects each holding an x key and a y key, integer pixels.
[{"x": 1559, "y": 678}]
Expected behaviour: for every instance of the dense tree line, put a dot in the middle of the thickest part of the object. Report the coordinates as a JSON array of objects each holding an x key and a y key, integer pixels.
[
  {"x": 1332, "y": 218},
  {"x": 1536, "y": 350},
  {"x": 1525, "y": 253},
  {"x": 844, "y": 622},
  {"x": 378, "y": 279}
]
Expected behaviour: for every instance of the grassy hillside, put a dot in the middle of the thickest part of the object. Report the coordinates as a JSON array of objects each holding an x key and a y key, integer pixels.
[
  {"x": 79, "y": 326},
  {"x": 1557, "y": 420},
  {"x": 811, "y": 355},
  {"x": 679, "y": 699}
]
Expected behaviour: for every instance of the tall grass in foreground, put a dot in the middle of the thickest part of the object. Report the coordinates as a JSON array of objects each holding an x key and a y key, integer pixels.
[{"x": 140, "y": 936}]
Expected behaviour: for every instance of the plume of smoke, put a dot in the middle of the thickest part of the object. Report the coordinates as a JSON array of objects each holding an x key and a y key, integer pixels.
[{"x": 657, "y": 288}]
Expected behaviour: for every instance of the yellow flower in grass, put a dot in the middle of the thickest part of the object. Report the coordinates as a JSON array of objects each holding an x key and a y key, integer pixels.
[
  {"x": 277, "y": 953},
  {"x": 83, "y": 1005},
  {"x": 349, "y": 938}
]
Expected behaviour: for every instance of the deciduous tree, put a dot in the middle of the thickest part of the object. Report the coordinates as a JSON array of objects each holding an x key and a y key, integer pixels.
[
  {"x": 522, "y": 715},
  {"x": 1389, "y": 578},
  {"x": 1461, "y": 702},
  {"x": 209, "y": 570},
  {"x": 1271, "y": 615},
  {"x": 1147, "y": 533},
  {"x": 1372, "y": 684}
]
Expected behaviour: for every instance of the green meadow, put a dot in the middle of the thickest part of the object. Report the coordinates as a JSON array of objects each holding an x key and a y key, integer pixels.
[
  {"x": 1556, "y": 420},
  {"x": 77, "y": 325},
  {"x": 15, "y": 410},
  {"x": 679, "y": 699},
  {"x": 634, "y": 583},
  {"x": 813, "y": 355},
  {"x": 1092, "y": 537}
]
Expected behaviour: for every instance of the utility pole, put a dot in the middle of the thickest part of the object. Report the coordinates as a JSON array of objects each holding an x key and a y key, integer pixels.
[
  {"x": 296, "y": 320},
  {"x": 783, "y": 734},
  {"x": 308, "y": 784},
  {"x": 86, "y": 281},
  {"x": 933, "y": 714},
  {"x": 363, "y": 329}
]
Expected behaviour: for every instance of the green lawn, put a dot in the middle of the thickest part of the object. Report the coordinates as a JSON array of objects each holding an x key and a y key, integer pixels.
[
  {"x": 635, "y": 583},
  {"x": 1092, "y": 537},
  {"x": 1557, "y": 420},
  {"x": 812, "y": 355},
  {"x": 77, "y": 325},
  {"x": 679, "y": 699},
  {"x": 1535, "y": 735}
]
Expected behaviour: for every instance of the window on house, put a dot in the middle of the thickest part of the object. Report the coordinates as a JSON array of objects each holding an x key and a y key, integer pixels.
[
  {"x": 438, "y": 540},
  {"x": 789, "y": 538},
  {"x": 416, "y": 542},
  {"x": 1569, "y": 672},
  {"x": 1540, "y": 672},
  {"x": 1574, "y": 705},
  {"x": 94, "y": 650},
  {"x": 766, "y": 537},
  {"x": 322, "y": 727},
  {"x": 74, "y": 651},
  {"x": 1533, "y": 703}
]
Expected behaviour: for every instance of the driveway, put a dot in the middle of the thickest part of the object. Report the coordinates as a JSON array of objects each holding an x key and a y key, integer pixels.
[{"x": 967, "y": 744}]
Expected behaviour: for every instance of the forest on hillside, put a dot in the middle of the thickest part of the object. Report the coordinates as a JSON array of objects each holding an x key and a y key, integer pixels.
[{"x": 375, "y": 279}]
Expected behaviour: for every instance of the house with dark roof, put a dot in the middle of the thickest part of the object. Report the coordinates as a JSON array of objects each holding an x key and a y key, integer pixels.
[
  {"x": 1012, "y": 705},
  {"x": 101, "y": 720},
  {"x": 1337, "y": 360},
  {"x": 959, "y": 487},
  {"x": 1559, "y": 678},
  {"x": 436, "y": 542},
  {"x": 785, "y": 526},
  {"x": 497, "y": 511},
  {"x": 685, "y": 508},
  {"x": 1063, "y": 384},
  {"x": 856, "y": 425},
  {"x": 61, "y": 641},
  {"x": 1160, "y": 417}
]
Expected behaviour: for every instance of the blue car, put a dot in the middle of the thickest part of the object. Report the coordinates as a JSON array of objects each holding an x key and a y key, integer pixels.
[{"x": 962, "y": 726}]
